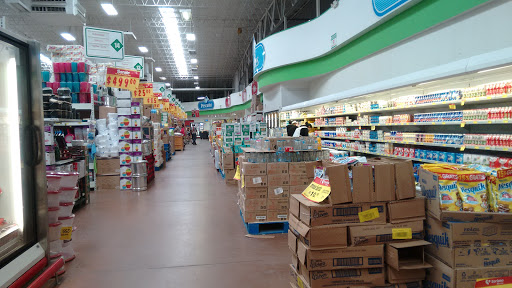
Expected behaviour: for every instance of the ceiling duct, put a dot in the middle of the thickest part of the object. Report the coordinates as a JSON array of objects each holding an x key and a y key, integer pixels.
[
  {"x": 19, "y": 5},
  {"x": 69, "y": 12}
]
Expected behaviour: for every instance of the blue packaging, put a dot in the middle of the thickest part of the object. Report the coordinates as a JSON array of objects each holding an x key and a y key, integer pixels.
[
  {"x": 417, "y": 153},
  {"x": 450, "y": 157},
  {"x": 459, "y": 158},
  {"x": 435, "y": 155},
  {"x": 429, "y": 155},
  {"x": 423, "y": 154},
  {"x": 442, "y": 156}
]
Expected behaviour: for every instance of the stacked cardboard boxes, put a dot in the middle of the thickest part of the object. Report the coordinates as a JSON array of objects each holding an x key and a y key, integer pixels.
[
  {"x": 130, "y": 138},
  {"x": 108, "y": 173},
  {"x": 366, "y": 234},
  {"x": 466, "y": 246}
]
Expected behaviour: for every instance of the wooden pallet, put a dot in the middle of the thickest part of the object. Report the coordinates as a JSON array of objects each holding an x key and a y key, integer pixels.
[{"x": 265, "y": 227}]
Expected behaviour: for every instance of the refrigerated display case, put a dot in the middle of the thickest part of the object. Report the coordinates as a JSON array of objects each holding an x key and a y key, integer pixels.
[{"x": 23, "y": 200}]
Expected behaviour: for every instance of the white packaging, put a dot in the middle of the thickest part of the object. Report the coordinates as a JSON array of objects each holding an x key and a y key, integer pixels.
[
  {"x": 137, "y": 147},
  {"x": 124, "y": 121},
  {"x": 124, "y": 111},
  {"x": 50, "y": 158},
  {"x": 125, "y": 159},
  {"x": 136, "y": 133},
  {"x": 125, "y": 133},
  {"x": 124, "y": 103},
  {"x": 126, "y": 171},
  {"x": 125, "y": 146},
  {"x": 122, "y": 94},
  {"x": 48, "y": 135},
  {"x": 136, "y": 122},
  {"x": 135, "y": 110},
  {"x": 125, "y": 183}
]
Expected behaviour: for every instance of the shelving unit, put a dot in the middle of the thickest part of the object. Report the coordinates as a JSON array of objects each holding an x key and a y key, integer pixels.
[{"x": 386, "y": 155}]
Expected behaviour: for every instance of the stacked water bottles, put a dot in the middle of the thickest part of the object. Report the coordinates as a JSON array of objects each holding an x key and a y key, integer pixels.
[
  {"x": 62, "y": 192},
  {"x": 107, "y": 141}
]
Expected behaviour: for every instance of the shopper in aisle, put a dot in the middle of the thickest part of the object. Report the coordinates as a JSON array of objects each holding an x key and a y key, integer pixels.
[
  {"x": 291, "y": 127},
  {"x": 303, "y": 130},
  {"x": 194, "y": 135}
]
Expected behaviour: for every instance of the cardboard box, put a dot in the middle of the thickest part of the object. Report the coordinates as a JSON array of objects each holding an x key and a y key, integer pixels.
[
  {"x": 255, "y": 192},
  {"x": 255, "y": 180},
  {"x": 339, "y": 181},
  {"x": 282, "y": 192},
  {"x": 344, "y": 277},
  {"x": 300, "y": 180},
  {"x": 470, "y": 244},
  {"x": 407, "y": 255},
  {"x": 104, "y": 182},
  {"x": 147, "y": 110},
  {"x": 406, "y": 210},
  {"x": 229, "y": 174},
  {"x": 394, "y": 276},
  {"x": 315, "y": 214},
  {"x": 373, "y": 182},
  {"x": 441, "y": 275},
  {"x": 327, "y": 236},
  {"x": 278, "y": 204},
  {"x": 278, "y": 180},
  {"x": 404, "y": 179},
  {"x": 277, "y": 215},
  {"x": 253, "y": 204},
  {"x": 299, "y": 168},
  {"x": 277, "y": 168},
  {"x": 228, "y": 161},
  {"x": 341, "y": 258},
  {"x": 253, "y": 168},
  {"x": 155, "y": 116},
  {"x": 378, "y": 234},
  {"x": 298, "y": 189},
  {"x": 104, "y": 110},
  {"x": 254, "y": 216},
  {"x": 108, "y": 166},
  {"x": 430, "y": 189}
]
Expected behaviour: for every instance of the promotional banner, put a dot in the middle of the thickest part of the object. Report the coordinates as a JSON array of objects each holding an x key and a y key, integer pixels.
[
  {"x": 151, "y": 100},
  {"x": 132, "y": 62},
  {"x": 122, "y": 78}
]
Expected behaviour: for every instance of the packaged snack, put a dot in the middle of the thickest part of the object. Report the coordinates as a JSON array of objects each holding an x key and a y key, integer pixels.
[
  {"x": 448, "y": 193},
  {"x": 503, "y": 191},
  {"x": 473, "y": 191}
]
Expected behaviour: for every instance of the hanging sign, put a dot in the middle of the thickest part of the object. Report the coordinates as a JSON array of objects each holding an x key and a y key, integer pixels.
[
  {"x": 144, "y": 90},
  {"x": 151, "y": 100},
  {"x": 318, "y": 190},
  {"x": 159, "y": 87},
  {"x": 103, "y": 43},
  {"x": 254, "y": 88},
  {"x": 132, "y": 62},
  {"x": 122, "y": 78}
]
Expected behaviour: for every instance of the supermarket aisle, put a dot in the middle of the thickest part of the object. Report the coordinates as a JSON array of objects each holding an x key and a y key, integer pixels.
[{"x": 185, "y": 231}]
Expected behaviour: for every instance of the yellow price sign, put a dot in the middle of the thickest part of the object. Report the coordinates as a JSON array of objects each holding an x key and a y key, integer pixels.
[
  {"x": 318, "y": 190},
  {"x": 237, "y": 173},
  {"x": 373, "y": 127},
  {"x": 401, "y": 233},
  {"x": 151, "y": 101},
  {"x": 368, "y": 215},
  {"x": 462, "y": 103},
  {"x": 462, "y": 124},
  {"x": 65, "y": 233},
  {"x": 452, "y": 106},
  {"x": 122, "y": 78}
]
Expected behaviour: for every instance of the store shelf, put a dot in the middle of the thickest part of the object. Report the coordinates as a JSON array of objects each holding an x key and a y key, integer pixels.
[
  {"x": 474, "y": 147},
  {"x": 83, "y": 106},
  {"x": 386, "y": 155},
  {"x": 62, "y": 162},
  {"x": 462, "y": 102},
  {"x": 61, "y": 120},
  {"x": 452, "y": 123}
]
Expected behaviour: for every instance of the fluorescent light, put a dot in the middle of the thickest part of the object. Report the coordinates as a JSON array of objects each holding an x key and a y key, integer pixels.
[
  {"x": 197, "y": 87},
  {"x": 186, "y": 14},
  {"x": 173, "y": 36},
  {"x": 191, "y": 37},
  {"x": 143, "y": 49},
  {"x": 109, "y": 9},
  {"x": 158, "y": 69},
  {"x": 489, "y": 70},
  {"x": 167, "y": 84},
  {"x": 196, "y": 83},
  {"x": 200, "y": 98},
  {"x": 45, "y": 59},
  {"x": 67, "y": 36},
  {"x": 163, "y": 78},
  {"x": 196, "y": 77},
  {"x": 193, "y": 61}
]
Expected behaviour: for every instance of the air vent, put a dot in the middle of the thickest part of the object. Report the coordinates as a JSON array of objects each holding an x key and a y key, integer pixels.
[
  {"x": 192, "y": 52},
  {"x": 68, "y": 7}
]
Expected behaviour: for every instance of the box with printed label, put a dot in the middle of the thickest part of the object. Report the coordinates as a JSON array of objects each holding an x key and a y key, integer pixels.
[
  {"x": 237, "y": 129},
  {"x": 50, "y": 158},
  {"x": 341, "y": 258},
  {"x": 470, "y": 244},
  {"x": 255, "y": 180},
  {"x": 277, "y": 215},
  {"x": 228, "y": 161},
  {"x": 125, "y": 158},
  {"x": 136, "y": 133},
  {"x": 125, "y": 183},
  {"x": 255, "y": 192},
  {"x": 326, "y": 236},
  {"x": 385, "y": 233},
  {"x": 124, "y": 121},
  {"x": 281, "y": 192},
  {"x": 104, "y": 182},
  {"x": 315, "y": 214},
  {"x": 297, "y": 189},
  {"x": 298, "y": 168},
  {"x": 48, "y": 135},
  {"x": 344, "y": 277},
  {"x": 277, "y": 168},
  {"x": 253, "y": 168},
  {"x": 441, "y": 275},
  {"x": 278, "y": 180},
  {"x": 135, "y": 121},
  {"x": 253, "y": 204},
  {"x": 339, "y": 181},
  {"x": 300, "y": 180},
  {"x": 124, "y": 111},
  {"x": 125, "y": 146},
  {"x": 136, "y": 145},
  {"x": 229, "y": 174},
  {"x": 135, "y": 110},
  {"x": 125, "y": 133},
  {"x": 228, "y": 130},
  {"x": 246, "y": 129},
  {"x": 237, "y": 140},
  {"x": 277, "y": 204},
  {"x": 406, "y": 210},
  {"x": 125, "y": 171},
  {"x": 254, "y": 216}
]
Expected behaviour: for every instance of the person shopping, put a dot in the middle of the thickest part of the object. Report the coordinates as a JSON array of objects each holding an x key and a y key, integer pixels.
[
  {"x": 303, "y": 130},
  {"x": 291, "y": 127},
  {"x": 194, "y": 135}
]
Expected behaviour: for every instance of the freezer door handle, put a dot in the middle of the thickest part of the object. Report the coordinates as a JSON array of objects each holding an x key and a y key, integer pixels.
[
  {"x": 38, "y": 156},
  {"x": 33, "y": 134}
]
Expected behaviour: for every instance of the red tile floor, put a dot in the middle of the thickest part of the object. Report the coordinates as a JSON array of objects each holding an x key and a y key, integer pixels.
[{"x": 184, "y": 231}]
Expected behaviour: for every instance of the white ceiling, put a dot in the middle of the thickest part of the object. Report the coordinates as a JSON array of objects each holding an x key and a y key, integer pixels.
[{"x": 215, "y": 22}]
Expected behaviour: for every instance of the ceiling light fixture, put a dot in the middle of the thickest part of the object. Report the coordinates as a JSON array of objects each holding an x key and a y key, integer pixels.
[
  {"x": 173, "y": 36},
  {"x": 493, "y": 69},
  {"x": 200, "y": 98},
  {"x": 197, "y": 87},
  {"x": 186, "y": 14},
  {"x": 168, "y": 84},
  {"x": 67, "y": 36},
  {"x": 196, "y": 83},
  {"x": 143, "y": 49},
  {"x": 158, "y": 69},
  {"x": 196, "y": 77},
  {"x": 163, "y": 78},
  {"x": 109, "y": 9},
  {"x": 193, "y": 61},
  {"x": 191, "y": 37}
]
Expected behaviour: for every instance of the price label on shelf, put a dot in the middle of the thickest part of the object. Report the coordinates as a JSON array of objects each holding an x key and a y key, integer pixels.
[
  {"x": 318, "y": 190},
  {"x": 462, "y": 148},
  {"x": 462, "y": 102},
  {"x": 477, "y": 147},
  {"x": 122, "y": 78},
  {"x": 65, "y": 233},
  {"x": 504, "y": 96},
  {"x": 401, "y": 233},
  {"x": 489, "y": 121},
  {"x": 433, "y": 123},
  {"x": 452, "y": 106},
  {"x": 444, "y": 145},
  {"x": 444, "y": 123},
  {"x": 489, "y": 97},
  {"x": 299, "y": 282},
  {"x": 462, "y": 124},
  {"x": 505, "y": 121},
  {"x": 373, "y": 128},
  {"x": 487, "y": 148},
  {"x": 358, "y": 114},
  {"x": 359, "y": 127},
  {"x": 368, "y": 215}
]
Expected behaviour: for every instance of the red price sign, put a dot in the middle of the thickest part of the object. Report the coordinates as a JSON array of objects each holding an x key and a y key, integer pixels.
[
  {"x": 151, "y": 100},
  {"x": 144, "y": 90},
  {"x": 122, "y": 78}
]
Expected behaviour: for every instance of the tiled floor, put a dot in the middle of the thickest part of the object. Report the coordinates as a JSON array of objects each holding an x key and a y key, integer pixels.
[{"x": 185, "y": 231}]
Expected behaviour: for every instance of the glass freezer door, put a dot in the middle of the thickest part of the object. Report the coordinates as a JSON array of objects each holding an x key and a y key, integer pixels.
[{"x": 17, "y": 207}]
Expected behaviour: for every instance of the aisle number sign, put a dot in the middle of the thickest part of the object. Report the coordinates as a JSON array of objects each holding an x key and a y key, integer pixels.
[
  {"x": 132, "y": 62},
  {"x": 318, "y": 190},
  {"x": 144, "y": 90},
  {"x": 103, "y": 43},
  {"x": 122, "y": 78}
]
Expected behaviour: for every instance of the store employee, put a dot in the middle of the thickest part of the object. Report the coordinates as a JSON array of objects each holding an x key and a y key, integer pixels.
[{"x": 303, "y": 130}]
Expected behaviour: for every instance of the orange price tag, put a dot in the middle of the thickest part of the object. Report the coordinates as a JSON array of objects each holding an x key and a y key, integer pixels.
[{"x": 122, "y": 78}]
